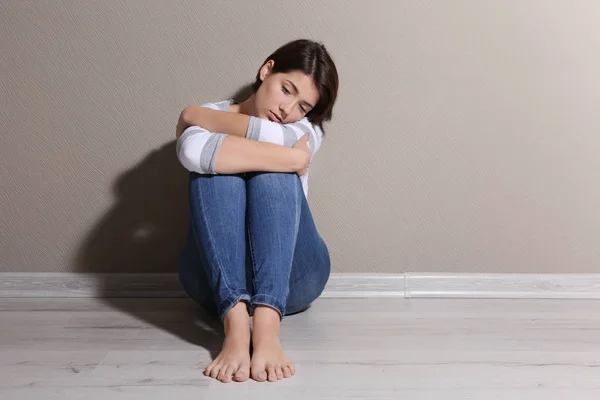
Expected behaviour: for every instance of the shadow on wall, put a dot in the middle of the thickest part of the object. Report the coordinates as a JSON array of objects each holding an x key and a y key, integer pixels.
[
  {"x": 144, "y": 232},
  {"x": 145, "y": 229}
]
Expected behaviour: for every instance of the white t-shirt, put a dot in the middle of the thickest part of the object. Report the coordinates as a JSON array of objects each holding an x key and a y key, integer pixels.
[{"x": 197, "y": 147}]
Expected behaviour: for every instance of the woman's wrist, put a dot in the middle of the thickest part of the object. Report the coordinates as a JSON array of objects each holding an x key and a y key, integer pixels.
[{"x": 299, "y": 159}]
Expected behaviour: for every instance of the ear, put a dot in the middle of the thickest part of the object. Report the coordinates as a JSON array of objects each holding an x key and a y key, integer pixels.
[{"x": 265, "y": 70}]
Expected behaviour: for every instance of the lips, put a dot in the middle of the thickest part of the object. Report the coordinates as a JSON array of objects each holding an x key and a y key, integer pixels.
[{"x": 274, "y": 117}]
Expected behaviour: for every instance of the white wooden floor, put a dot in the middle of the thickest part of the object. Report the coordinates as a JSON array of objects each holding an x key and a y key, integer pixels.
[{"x": 83, "y": 348}]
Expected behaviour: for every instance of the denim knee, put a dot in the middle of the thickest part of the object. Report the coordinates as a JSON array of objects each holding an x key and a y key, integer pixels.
[{"x": 277, "y": 179}]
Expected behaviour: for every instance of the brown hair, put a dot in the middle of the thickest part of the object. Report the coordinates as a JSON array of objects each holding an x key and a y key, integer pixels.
[{"x": 311, "y": 58}]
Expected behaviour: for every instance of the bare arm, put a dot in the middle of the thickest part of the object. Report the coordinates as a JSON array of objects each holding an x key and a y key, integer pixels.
[
  {"x": 215, "y": 120},
  {"x": 250, "y": 127},
  {"x": 233, "y": 152},
  {"x": 238, "y": 154},
  {"x": 201, "y": 151}
]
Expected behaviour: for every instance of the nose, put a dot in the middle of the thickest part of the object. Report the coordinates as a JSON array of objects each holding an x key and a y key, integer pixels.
[{"x": 286, "y": 109}]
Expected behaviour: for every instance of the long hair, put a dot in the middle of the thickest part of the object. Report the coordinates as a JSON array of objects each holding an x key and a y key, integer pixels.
[{"x": 312, "y": 59}]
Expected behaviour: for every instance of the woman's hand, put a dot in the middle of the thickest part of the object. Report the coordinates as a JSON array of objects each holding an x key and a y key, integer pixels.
[{"x": 304, "y": 155}]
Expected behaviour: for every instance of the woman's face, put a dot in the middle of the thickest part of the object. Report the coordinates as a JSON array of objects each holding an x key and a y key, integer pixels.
[{"x": 285, "y": 97}]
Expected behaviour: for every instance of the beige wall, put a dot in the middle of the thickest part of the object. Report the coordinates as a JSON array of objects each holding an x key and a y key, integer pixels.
[{"x": 466, "y": 137}]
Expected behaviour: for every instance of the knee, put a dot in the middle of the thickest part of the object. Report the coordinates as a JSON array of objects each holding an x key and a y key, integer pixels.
[
  {"x": 220, "y": 185},
  {"x": 280, "y": 177},
  {"x": 275, "y": 181},
  {"x": 224, "y": 179}
]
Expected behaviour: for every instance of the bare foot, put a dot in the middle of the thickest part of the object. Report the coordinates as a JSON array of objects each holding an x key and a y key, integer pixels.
[
  {"x": 268, "y": 359},
  {"x": 234, "y": 359}
]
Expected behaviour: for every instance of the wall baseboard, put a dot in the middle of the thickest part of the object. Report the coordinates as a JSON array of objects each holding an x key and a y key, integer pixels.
[
  {"x": 489, "y": 286},
  {"x": 403, "y": 285}
]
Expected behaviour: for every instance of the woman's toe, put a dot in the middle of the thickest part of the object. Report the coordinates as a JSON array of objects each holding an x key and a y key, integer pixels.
[
  {"x": 258, "y": 372},
  {"x": 271, "y": 373},
  {"x": 278, "y": 372},
  {"x": 227, "y": 374},
  {"x": 243, "y": 372}
]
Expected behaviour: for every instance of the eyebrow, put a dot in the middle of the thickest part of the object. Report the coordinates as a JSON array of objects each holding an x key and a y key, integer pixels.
[{"x": 296, "y": 89}]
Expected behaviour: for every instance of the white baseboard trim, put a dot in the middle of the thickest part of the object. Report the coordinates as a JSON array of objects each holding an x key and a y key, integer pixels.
[
  {"x": 365, "y": 285},
  {"x": 514, "y": 286},
  {"x": 340, "y": 285}
]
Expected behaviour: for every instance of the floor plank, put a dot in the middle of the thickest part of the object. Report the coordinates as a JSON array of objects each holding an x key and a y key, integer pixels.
[{"x": 86, "y": 348}]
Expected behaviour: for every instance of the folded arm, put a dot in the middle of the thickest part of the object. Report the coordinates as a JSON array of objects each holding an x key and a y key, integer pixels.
[
  {"x": 215, "y": 120},
  {"x": 216, "y": 153},
  {"x": 251, "y": 127}
]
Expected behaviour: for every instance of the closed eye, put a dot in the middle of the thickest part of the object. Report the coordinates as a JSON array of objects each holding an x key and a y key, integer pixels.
[{"x": 286, "y": 91}]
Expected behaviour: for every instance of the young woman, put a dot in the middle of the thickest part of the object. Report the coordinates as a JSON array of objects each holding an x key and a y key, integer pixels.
[{"x": 252, "y": 247}]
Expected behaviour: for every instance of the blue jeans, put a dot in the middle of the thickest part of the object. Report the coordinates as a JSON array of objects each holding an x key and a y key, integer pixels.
[{"x": 252, "y": 237}]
